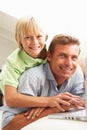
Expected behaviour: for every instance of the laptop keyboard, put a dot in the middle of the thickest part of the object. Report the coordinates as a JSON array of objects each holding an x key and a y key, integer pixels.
[{"x": 72, "y": 115}]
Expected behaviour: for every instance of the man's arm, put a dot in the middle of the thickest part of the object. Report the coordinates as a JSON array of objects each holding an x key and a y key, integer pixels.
[{"x": 20, "y": 120}]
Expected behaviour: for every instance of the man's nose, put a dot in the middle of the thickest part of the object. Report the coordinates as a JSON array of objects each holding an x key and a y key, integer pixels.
[{"x": 68, "y": 61}]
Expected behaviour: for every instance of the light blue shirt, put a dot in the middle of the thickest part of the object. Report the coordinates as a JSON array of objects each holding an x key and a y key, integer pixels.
[{"x": 39, "y": 81}]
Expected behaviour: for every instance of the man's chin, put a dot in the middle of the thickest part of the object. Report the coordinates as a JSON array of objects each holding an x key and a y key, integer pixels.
[{"x": 67, "y": 76}]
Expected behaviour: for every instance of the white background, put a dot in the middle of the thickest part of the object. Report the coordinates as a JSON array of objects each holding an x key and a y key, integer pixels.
[{"x": 57, "y": 16}]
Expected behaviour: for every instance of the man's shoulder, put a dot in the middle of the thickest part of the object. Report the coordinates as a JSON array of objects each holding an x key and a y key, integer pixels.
[
  {"x": 37, "y": 70},
  {"x": 79, "y": 70},
  {"x": 78, "y": 75}
]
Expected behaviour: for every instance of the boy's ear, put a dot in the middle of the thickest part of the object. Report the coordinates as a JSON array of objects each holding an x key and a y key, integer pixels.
[{"x": 46, "y": 37}]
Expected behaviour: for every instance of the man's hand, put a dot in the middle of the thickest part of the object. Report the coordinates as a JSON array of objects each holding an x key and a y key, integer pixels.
[
  {"x": 60, "y": 103},
  {"x": 60, "y": 99},
  {"x": 65, "y": 99},
  {"x": 77, "y": 101}
]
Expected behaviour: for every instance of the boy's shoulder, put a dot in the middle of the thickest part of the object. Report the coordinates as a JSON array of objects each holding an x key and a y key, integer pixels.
[
  {"x": 16, "y": 57},
  {"x": 14, "y": 54}
]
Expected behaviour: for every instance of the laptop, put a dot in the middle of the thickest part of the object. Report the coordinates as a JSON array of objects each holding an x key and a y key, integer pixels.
[
  {"x": 73, "y": 114},
  {"x": 80, "y": 115}
]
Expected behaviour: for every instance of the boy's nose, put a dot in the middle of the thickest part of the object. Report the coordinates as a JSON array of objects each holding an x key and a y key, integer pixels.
[{"x": 35, "y": 41}]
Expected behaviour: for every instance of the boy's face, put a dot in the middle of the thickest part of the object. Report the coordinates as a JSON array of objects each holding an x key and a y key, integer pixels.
[
  {"x": 33, "y": 44},
  {"x": 63, "y": 62}
]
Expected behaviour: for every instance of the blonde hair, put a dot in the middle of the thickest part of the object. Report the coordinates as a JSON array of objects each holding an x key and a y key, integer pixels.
[{"x": 27, "y": 25}]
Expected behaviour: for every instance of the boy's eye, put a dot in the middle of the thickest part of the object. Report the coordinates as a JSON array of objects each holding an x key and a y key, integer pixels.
[
  {"x": 32, "y": 38},
  {"x": 28, "y": 37},
  {"x": 39, "y": 36}
]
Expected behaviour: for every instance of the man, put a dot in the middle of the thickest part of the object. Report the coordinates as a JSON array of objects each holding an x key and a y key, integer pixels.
[{"x": 50, "y": 86}]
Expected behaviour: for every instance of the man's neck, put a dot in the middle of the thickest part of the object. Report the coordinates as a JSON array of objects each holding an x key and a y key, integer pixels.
[{"x": 60, "y": 81}]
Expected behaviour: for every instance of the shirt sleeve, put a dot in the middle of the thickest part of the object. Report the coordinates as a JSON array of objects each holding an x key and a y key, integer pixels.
[
  {"x": 78, "y": 83},
  {"x": 28, "y": 84},
  {"x": 78, "y": 90},
  {"x": 12, "y": 74}
]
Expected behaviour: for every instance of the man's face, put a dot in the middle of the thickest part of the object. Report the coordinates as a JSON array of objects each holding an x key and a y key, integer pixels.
[{"x": 63, "y": 62}]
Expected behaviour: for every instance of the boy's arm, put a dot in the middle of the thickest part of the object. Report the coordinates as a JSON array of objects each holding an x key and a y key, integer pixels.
[{"x": 15, "y": 99}]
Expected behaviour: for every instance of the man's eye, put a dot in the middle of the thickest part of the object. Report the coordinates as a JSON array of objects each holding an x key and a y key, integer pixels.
[
  {"x": 75, "y": 58},
  {"x": 62, "y": 55}
]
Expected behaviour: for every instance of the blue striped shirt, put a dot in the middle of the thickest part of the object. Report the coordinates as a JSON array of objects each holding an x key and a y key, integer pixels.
[{"x": 39, "y": 81}]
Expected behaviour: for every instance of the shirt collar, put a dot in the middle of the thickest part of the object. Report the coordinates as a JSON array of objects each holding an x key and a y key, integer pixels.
[
  {"x": 49, "y": 74},
  {"x": 27, "y": 59}
]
